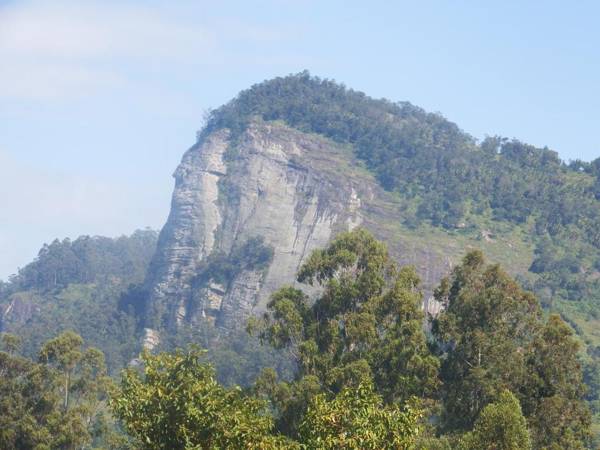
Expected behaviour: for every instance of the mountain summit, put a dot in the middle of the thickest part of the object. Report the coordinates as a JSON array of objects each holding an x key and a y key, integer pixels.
[{"x": 291, "y": 162}]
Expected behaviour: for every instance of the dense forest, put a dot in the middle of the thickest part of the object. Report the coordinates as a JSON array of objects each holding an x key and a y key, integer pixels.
[
  {"x": 495, "y": 373},
  {"x": 87, "y": 259},
  {"x": 80, "y": 285}
]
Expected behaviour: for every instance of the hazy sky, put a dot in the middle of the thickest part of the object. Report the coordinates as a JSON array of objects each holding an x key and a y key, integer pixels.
[{"x": 99, "y": 99}]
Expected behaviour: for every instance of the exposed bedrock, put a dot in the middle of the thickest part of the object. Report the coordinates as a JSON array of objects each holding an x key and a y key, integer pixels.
[{"x": 295, "y": 191}]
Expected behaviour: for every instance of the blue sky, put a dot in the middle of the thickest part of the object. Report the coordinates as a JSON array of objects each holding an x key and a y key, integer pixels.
[{"x": 99, "y": 99}]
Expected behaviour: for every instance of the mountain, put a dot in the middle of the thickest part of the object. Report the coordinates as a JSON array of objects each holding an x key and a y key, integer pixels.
[
  {"x": 263, "y": 209},
  {"x": 291, "y": 162},
  {"x": 281, "y": 170}
]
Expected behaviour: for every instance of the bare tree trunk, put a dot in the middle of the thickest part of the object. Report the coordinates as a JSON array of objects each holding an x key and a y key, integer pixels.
[{"x": 67, "y": 382}]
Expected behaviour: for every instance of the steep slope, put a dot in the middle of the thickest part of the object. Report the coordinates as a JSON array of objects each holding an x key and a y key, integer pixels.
[
  {"x": 274, "y": 183},
  {"x": 292, "y": 161},
  {"x": 294, "y": 191}
]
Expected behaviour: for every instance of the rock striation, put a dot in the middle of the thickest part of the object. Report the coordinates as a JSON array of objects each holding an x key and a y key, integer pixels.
[{"x": 293, "y": 190}]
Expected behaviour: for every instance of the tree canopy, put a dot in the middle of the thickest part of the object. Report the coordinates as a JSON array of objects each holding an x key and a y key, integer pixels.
[
  {"x": 58, "y": 402},
  {"x": 366, "y": 327},
  {"x": 496, "y": 373},
  {"x": 500, "y": 426},
  {"x": 494, "y": 338},
  {"x": 176, "y": 403}
]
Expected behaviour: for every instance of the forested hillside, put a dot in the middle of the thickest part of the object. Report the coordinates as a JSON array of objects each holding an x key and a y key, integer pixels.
[
  {"x": 79, "y": 285},
  {"x": 95, "y": 287},
  {"x": 88, "y": 260},
  {"x": 423, "y": 155},
  {"x": 448, "y": 178}
]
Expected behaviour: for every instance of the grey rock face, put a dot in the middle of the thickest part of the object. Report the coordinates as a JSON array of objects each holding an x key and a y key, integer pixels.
[
  {"x": 294, "y": 190},
  {"x": 18, "y": 310},
  {"x": 189, "y": 235}
]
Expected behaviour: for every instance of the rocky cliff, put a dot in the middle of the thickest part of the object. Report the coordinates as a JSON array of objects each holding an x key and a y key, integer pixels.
[{"x": 293, "y": 190}]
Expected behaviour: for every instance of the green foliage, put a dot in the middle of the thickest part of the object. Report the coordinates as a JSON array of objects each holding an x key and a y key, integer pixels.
[
  {"x": 423, "y": 155},
  {"x": 238, "y": 358},
  {"x": 64, "y": 353},
  {"x": 558, "y": 415},
  {"x": 399, "y": 142},
  {"x": 429, "y": 442},
  {"x": 500, "y": 426},
  {"x": 176, "y": 403},
  {"x": 222, "y": 268},
  {"x": 357, "y": 419},
  {"x": 10, "y": 343},
  {"x": 365, "y": 376},
  {"x": 494, "y": 339},
  {"x": 365, "y": 327},
  {"x": 487, "y": 322},
  {"x": 56, "y": 403},
  {"x": 92, "y": 311},
  {"x": 88, "y": 260},
  {"x": 88, "y": 285}
]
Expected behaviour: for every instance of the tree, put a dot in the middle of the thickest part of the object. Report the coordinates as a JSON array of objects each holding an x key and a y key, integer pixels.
[
  {"x": 493, "y": 338},
  {"x": 35, "y": 410},
  {"x": 365, "y": 327},
  {"x": 64, "y": 353},
  {"x": 500, "y": 426},
  {"x": 487, "y": 323},
  {"x": 176, "y": 403},
  {"x": 10, "y": 343},
  {"x": 555, "y": 391},
  {"x": 356, "y": 419}
]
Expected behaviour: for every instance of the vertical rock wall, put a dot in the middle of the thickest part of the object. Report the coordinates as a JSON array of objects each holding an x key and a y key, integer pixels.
[
  {"x": 293, "y": 190},
  {"x": 267, "y": 184}
]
